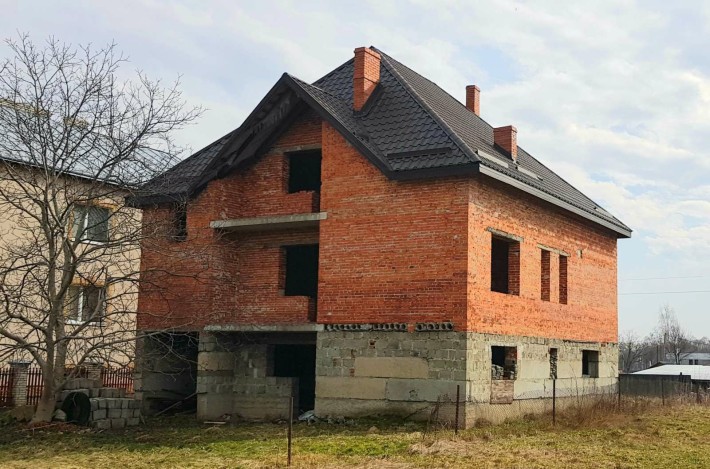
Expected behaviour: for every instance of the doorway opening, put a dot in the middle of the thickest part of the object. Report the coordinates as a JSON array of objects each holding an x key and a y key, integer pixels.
[{"x": 298, "y": 361}]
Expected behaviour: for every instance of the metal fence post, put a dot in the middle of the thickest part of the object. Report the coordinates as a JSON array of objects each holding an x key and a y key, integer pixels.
[
  {"x": 554, "y": 401},
  {"x": 663, "y": 393},
  {"x": 618, "y": 391},
  {"x": 290, "y": 429},
  {"x": 456, "y": 418}
]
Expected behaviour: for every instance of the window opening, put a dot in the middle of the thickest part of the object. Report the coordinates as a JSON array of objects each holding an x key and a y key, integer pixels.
[
  {"x": 85, "y": 303},
  {"x": 590, "y": 363},
  {"x": 180, "y": 222},
  {"x": 504, "y": 362},
  {"x": 304, "y": 171},
  {"x": 553, "y": 363},
  {"x": 563, "y": 280},
  {"x": 90, "y": 223},
  {"x": 301, "y": 270},
  {"x": 545, "y": 275},
  {"x": 505, "y": 266}
]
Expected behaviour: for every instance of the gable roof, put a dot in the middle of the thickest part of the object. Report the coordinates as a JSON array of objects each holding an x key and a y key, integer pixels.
[{"x": 409, "y": 128}]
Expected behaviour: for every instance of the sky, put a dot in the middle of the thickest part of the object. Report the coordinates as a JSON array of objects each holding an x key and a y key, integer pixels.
[{"x": 612, "y": 95}]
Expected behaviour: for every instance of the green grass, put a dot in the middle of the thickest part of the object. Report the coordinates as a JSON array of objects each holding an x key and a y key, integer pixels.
[{"x": 668, "y": 438}]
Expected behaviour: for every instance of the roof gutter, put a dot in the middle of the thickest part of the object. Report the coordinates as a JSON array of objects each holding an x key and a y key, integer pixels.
[{"x": 553, "y": 200}]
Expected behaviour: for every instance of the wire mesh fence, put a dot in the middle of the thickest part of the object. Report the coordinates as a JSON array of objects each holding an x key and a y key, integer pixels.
[{"x": 572, "y": 400}]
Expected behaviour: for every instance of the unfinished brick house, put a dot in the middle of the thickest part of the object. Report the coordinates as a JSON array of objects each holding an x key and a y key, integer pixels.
[{"x": 367, "y": 243}]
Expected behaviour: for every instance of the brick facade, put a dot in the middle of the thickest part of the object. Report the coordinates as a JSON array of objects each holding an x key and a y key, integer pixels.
[{"x": 389, "y": 252}]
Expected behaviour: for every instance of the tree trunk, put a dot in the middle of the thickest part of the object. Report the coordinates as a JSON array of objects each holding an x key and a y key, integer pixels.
[{"x": 47, "y": 402}]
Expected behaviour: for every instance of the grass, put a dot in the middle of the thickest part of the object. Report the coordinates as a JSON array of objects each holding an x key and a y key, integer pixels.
[{"x": 662, "y": 437}]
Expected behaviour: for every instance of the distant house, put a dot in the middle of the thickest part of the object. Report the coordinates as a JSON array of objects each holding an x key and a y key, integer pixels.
[
  {"x": 697, "y": 373},
  {"x": 696, "y": 358},
  {"x": 370, "y": 244},
  {"x": 102, "y": 298}
]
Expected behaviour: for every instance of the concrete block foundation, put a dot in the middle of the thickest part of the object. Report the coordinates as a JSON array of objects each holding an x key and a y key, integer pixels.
[{"x": 415, "y": 374}]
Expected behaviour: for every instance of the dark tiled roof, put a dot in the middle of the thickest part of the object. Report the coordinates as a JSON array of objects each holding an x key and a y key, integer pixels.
[
  {"x": 409, "y": 128},
  {"x": 177, "y": 181}
]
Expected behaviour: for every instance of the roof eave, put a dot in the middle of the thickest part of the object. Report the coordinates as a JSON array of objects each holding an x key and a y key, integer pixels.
[{"x": 623, "y": 233}]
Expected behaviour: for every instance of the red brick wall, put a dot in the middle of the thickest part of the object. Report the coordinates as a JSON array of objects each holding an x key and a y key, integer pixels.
[
  {"x": 591, "y": 312},
  {"x": 217, "y": 278},
  {"x": 389, "y": 251}
]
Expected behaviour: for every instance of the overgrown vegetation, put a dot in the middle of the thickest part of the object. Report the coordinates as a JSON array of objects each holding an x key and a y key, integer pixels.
[{"x": 639, "y": 437}]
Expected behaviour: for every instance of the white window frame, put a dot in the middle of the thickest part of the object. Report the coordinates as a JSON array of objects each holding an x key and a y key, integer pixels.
[
  {"x": 83, "y": 226},
  {"x": 80, "y": 305}
]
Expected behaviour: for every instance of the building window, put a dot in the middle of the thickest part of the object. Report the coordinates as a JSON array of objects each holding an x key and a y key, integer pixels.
[
  {"x": 301, "y": 270},
  {"x": 504, "y": 362},
  {"x": 563, "y": 280},
  {"x": 590, "y": 363},
  {"x": 90, "y": 223},
  {"x": 179, "y": 226},
  {"x": 85, "y": 303},
  {"x": 304, "y": 171},
  {"x": 553, "y": 363},
  {"x": 505, "y": 266},
  {"x": 545, "y": 275}
]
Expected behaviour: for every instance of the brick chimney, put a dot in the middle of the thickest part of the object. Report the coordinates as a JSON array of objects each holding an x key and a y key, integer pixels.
[
  {"x": 366, "y": 75},
  {"x": 507, "y": 138},
  {"x": 473, "y": 99}
]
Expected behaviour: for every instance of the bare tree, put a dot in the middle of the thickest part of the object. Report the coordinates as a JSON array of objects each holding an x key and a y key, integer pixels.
[
  {"x": 631, "y": 350},
  {"x": 75, "y": 140},
  {"x": 675, "y": 340}
]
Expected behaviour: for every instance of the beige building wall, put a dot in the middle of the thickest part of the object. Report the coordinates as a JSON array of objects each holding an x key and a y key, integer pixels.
[{"x": 116, "y": 268}]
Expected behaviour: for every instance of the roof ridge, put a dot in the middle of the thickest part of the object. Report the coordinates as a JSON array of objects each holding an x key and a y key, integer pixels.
[
  {"x": 335, "y": 70},
  {"x": 444, "y": 126},
  {"x": 299, "y": 81}
]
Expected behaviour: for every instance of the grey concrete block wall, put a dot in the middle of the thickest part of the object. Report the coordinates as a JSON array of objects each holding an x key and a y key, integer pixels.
[
  {"x": 361, "y": 373},
  {"x": 373, "y": 372},
  {"x": 233, "y": 378}
]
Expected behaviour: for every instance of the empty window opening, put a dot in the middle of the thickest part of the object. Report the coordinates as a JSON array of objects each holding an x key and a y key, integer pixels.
[
  {"x": 504, "y": 362},
  {"x": 301, "y": 272},
  {"x": 179, "y": 228},
  {"x": 553, "y": 363},
  {"x": 590, "y": 363},
  {"x": 304, "y": 171},
  {"x": 505, "y": 266},
  {"x": 545, "y": 275},
  {"x": 298, "y": 361},
  {"x": 563, "y": 280}
]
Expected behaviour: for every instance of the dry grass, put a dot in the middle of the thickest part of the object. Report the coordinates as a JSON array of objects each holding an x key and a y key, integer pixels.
[{"x": 640, "y": 437}]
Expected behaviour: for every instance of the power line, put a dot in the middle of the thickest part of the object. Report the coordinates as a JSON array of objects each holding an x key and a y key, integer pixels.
[
  {"x": 664, "y": 292},
  {"x": 664, "y": 278}
]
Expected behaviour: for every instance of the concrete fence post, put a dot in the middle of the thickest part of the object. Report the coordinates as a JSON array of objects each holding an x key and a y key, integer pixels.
[
  {"x": 20, "y": 381},
  {"x": 93, "y": 371}
]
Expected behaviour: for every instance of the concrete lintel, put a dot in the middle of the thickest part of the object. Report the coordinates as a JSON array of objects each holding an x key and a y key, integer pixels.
[
  {"x": 297, "y": 148},
  {"x": 264, "y": 327},
  {"x": 557, "y": 251},
  {"x": 504, "y": 234},
  {"x": 278, "y": 222}
]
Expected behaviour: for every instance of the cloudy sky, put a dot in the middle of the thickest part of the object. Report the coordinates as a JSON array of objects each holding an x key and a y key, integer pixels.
[{"x": 613, "y": 95}]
